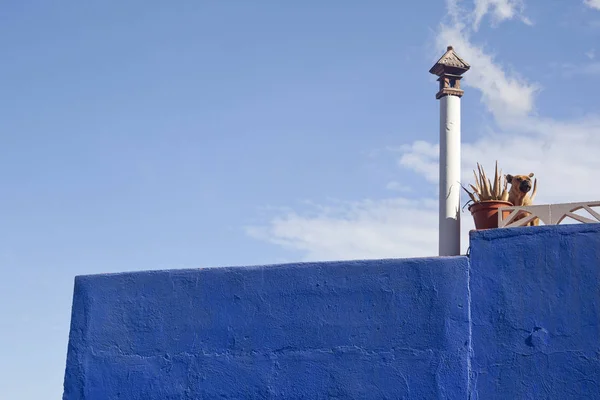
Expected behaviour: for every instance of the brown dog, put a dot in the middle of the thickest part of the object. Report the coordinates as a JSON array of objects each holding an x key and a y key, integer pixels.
[{"x": 520, "y": 185}]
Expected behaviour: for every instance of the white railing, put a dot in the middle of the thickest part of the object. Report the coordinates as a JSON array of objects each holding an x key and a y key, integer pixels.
[{"x": 548, "y": 214}]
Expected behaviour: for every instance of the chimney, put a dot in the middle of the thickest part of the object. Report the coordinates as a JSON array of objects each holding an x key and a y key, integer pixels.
[{"x": 449, "y": 69}]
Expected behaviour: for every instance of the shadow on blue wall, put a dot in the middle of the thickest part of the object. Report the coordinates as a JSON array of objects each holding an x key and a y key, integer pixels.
[{"x": 377, "y": 329}]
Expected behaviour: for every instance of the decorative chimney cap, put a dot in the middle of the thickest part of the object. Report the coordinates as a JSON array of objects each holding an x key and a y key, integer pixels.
[{"x": 450, "y": 63}]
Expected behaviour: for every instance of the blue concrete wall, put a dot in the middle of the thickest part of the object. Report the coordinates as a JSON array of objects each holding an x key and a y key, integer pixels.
[
  {"x": 520, "y": 319},
  {"x": 535, "y": 305},
  {"x": 391, "y": 329}
]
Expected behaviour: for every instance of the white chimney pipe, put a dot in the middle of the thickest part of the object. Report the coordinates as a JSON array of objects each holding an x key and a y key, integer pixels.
[{"x": 449, "y": 69}]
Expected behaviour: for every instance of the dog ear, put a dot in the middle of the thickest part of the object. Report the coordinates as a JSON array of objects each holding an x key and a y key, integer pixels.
[
  {"x": 509, "y": 178},
  {"x": 531, "y": 175}
]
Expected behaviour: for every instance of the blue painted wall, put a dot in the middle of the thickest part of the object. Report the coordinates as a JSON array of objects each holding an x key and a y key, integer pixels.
[
  {"x": 392, "y": 329},
  {"x": 379, "y": 329},
  {"x": 535, "y": 304}
]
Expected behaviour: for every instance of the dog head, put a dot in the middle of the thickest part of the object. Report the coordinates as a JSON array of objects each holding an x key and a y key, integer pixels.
[{"x": 522, "y": 183}]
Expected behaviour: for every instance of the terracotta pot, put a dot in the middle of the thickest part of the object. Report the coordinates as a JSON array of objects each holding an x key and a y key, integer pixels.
[{"x": 485, "y": 213}]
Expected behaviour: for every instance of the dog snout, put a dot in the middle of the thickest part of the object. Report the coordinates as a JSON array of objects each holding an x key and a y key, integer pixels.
[{"x": 525, "y": 186}]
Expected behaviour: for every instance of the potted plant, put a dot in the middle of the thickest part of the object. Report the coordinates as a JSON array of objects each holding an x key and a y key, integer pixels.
[{"x": 487, "y": 198}]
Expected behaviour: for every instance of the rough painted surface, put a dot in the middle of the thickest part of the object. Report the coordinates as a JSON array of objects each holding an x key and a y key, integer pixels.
[
  {"x": 387, "y": 329},
  {"x": 370, "y": 330},
  {"x": 535, "y": 304}
]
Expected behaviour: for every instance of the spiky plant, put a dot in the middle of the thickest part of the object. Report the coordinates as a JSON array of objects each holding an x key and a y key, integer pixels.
[{"x": 484, "y": 189}]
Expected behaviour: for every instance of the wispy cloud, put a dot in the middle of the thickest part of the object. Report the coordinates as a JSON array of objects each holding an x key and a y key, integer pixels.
[
  {"x": 591, "y": 54},
  {"x": 499, "y": 11},
  {"x": 505, "y": 95},
  {"x": 418, "y": 157},
  {"x": 590, "y": 68},
  {"x": 592, "y": 4},
  {"x": 398, "y": 187},
  {"x": 562, "y": 154},
  {"x": 357, "y": 230}
]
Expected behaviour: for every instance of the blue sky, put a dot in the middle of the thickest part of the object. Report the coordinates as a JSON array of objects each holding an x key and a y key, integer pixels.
[{"x": 148, "y": 135}]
